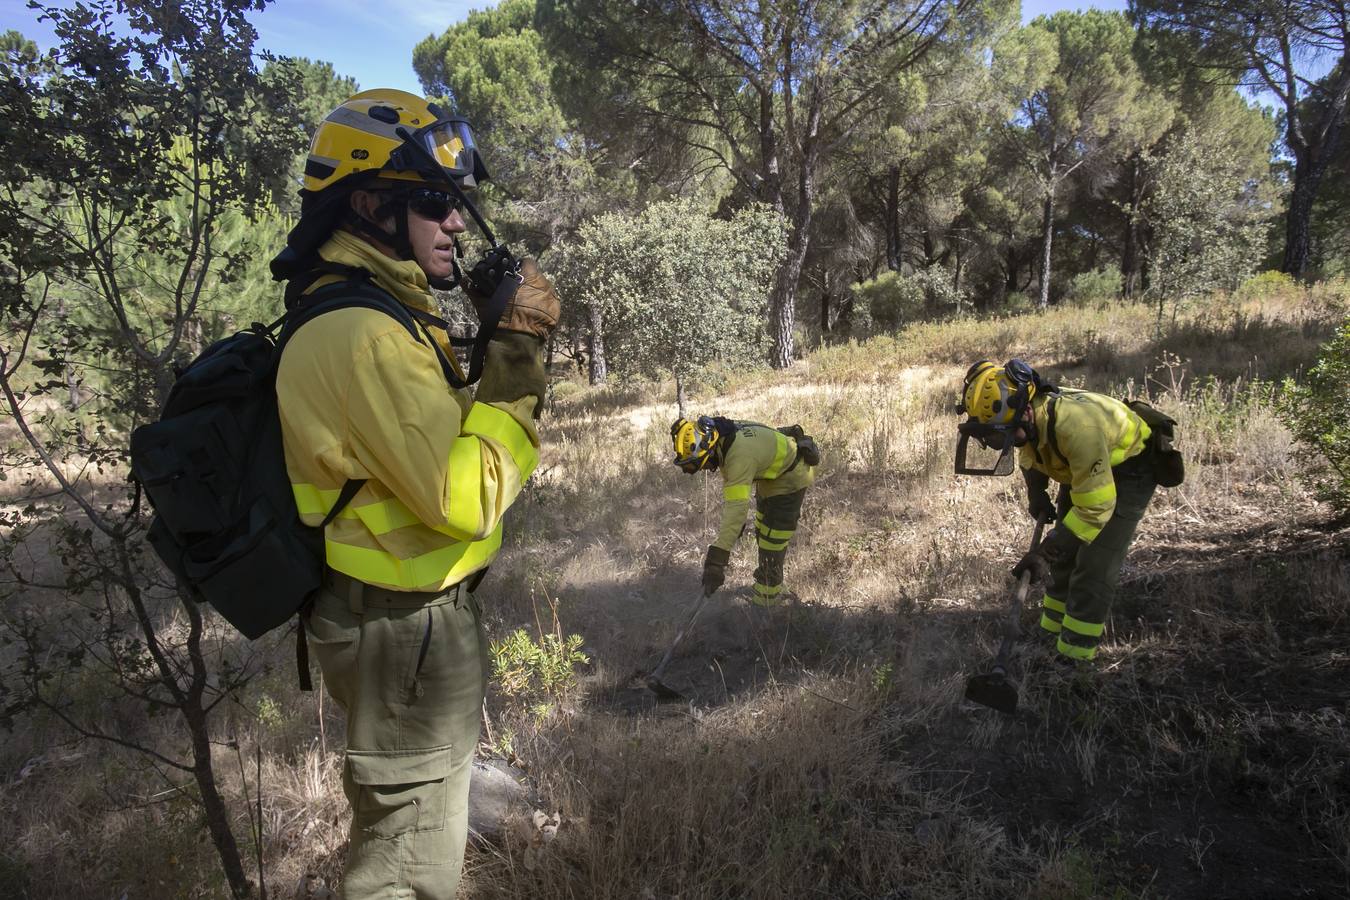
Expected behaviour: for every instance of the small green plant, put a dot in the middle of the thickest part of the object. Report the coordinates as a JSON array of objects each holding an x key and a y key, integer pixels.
[
  {"x": 1316, "y": 415},
  {"x": 883, "y": 676},
  {"x": 269, "y": 712},
  {"x": 531, "y": 671}
]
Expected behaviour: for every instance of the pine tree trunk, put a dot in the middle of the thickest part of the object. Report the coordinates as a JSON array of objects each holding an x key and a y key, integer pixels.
[
  {"x": 893, "y": 218},
  {"x": 1047, "y": 234},
  {"x": 1297, "y": 226},
  {"x": 1129, "y": 253},
  {"x": 595, "y": 344}
]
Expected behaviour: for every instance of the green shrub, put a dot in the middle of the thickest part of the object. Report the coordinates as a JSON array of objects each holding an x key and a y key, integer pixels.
[
  {"x": 529, "y": 671},
  {"x": 886, "y": 303},
  {"x": 1018, "y": 302},
  {"x": 1266, "y": 284},
  {"x": 1316, "y": 414},
  {"x": 1090, "y": 288},
  {"x": 894, "y": 299}
]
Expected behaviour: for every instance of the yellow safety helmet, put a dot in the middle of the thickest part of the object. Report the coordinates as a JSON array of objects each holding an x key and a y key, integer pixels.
[
  {"x": 392, "y": 134},
  {"x": 696, "y": 443},
  {"x": 997, "y": 396}
]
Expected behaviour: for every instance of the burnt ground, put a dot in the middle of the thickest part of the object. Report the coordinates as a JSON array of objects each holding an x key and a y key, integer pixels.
[{"x": 1204, "y": 756}]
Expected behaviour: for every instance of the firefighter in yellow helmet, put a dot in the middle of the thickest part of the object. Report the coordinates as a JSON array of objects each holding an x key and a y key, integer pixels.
[
  {"x": 1104, "y": 456},
  {"x": 407, "y": 471},
  {"x": 779, "y": 463}
]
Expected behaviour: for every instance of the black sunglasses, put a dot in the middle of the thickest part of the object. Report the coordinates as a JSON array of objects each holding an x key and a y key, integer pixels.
[{"x": 433, "y": 205}]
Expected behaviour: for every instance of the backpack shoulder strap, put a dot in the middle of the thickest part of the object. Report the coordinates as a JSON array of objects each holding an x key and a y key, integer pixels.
[
  {"x": 362, "y": 293},
  {"x": 1051, "y": 407}
]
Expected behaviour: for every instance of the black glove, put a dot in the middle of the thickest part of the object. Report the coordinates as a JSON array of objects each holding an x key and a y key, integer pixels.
[
  {"x": 1033, "y": 562},
  {"x": 1039, "y": 504},
  {"x": 1060, "y": 543},
  {"x": 715, "y": 569},
  {"x": 1041, "y": 507}
]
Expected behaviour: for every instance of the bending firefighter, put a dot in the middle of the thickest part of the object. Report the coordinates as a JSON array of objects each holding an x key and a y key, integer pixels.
[
  {"x": 779, "y": 463},
  {"x": 1107, "y": 455},
  {"x": 408, "y": 473}
]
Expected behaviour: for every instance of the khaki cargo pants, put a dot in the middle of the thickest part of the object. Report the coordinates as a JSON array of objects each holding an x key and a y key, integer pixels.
[
  {"x": 409, "y": 671},
  {"x": 775, "y": 523},
  {"x": 1080, "y": 588}
]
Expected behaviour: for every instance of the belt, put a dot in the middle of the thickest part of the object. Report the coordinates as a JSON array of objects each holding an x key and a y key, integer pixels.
[{"x": 361, "y": 596}]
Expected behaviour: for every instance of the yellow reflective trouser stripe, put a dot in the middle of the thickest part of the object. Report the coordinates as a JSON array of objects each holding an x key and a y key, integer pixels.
[
  {"x": 736, "y": 492},
  {"x": 1049, "y": 624},
  {"x": 1073, "y": 651},
  {"x": 1052, "y": 604},
  {"x": 498, "y": 425},
  {"x": 1087, "y": 533},
  {"x": 1087, "y": 629},
  {"x": 779, "y": 459},
  {"x": 429, "y": 572},
  {"x": 765, "y": 544},
  {"x": 1095, "y": 497},
  {"x": 775, "y": 534}
]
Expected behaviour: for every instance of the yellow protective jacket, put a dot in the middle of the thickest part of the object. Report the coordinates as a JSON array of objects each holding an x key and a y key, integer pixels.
[
  {"x": 763, "y": 457},
  {"x": 1079, "y": 437},
  {"x": 360, "y": 399}
]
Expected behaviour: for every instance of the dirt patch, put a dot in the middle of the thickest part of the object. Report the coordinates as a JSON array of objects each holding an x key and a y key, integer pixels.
[{"x": 1184, "y": 768}]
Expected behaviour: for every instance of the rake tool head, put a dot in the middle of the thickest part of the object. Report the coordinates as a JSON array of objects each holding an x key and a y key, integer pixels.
[{"x": 993, "y": 690}]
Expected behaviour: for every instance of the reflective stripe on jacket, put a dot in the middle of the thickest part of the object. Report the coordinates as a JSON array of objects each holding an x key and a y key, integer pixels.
[
  {"x": 1091, "y": 433},
  {"x": 758, "y": 456},
  {"x": 361, "y": 399}
]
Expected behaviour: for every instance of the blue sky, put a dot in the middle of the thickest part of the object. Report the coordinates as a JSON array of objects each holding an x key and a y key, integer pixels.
[{"x": 372, "y": 40}]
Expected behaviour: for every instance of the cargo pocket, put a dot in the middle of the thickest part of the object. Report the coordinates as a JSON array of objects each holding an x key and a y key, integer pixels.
[
  {"x": 400, "y": 793},
  {"x": 334, "y": 635}
]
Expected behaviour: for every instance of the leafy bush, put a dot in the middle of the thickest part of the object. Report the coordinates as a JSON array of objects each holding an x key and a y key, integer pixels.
[
  {"x": 1018, "y": 302},
  {"x": 1266, "y": 284},
  {"x": 1316, "y": 414},
  {"x": 894, "y": 299},
  {"x": 1089, "y": 288},
  {"x": 529, "y": 671}
]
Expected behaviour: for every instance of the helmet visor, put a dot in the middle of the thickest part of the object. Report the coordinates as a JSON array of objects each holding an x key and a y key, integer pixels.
[{"x": 445, "y": 149}]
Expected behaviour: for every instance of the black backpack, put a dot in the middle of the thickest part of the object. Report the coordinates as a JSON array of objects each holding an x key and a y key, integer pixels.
[{"x": 226, "y": 522}]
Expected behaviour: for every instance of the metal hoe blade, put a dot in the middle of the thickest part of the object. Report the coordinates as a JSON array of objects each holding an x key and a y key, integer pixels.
[
  {"x": 654, "y": 682},
  {"x": 993, "y": 689}
]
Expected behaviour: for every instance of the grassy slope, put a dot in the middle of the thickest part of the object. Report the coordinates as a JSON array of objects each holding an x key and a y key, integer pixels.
[{"x": 826, "y": 751}]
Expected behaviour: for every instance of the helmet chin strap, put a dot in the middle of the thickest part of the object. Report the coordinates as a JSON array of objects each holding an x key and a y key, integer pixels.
[{"x": 401, "y": 242}]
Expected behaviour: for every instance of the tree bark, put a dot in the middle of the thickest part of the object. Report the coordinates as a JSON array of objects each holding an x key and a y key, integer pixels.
[
  {"x": 893, "y": 218},
  {"x": 1314, "y": 145},
  {"x": 1047, "y": 235},
  {"x": 1129, "y": 252},
  {"x": 595, "y": 344}
]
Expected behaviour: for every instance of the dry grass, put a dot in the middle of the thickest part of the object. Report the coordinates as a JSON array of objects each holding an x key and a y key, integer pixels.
[{"x": 827, "y": 751}]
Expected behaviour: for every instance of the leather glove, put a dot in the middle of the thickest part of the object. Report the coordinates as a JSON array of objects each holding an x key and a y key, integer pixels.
[
  {"x": 1060, "y": 543},
  {"x": 1032, "y": 562},
  {"x": 715, "y": 569},
  {"x": 1039, "y": 504},
  {"x": 1041, "y": 507},
  {"x": 532, "y": 309}
]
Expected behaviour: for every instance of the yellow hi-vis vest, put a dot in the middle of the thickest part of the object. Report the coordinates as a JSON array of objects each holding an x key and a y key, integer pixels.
[
  {"x": 360, "y": 398},
  {"x": 758, "y": 456},
  {"x": 1079, "y": 437}
]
